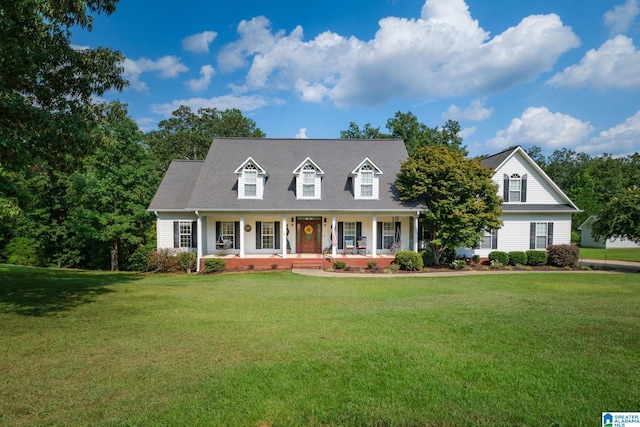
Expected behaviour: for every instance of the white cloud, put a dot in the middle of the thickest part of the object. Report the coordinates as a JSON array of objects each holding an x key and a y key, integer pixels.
[
  {"x": 475, "y": 112},
  {"x": 206, "y": 73},
  {"x": 614, "y": 65},
  {"x": 620, "y": 18},
  {"x": 199, "y": 43},
  {"x": 80, "y": 47},
  {"x": 442, "y": 53},
  {"x": 302, "y": 134},
  {"x": 145, "y": 124},
  {"x": 167, "y": 67},
  {"x": 243, "y": 103},
  {"x": 621, "y": 140},
  {"x": 539, "y": 126},
  {"x": 467, "y": 132}
]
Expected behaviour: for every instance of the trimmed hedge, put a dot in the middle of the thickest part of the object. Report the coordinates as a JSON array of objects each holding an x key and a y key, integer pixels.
[
  {"x": 536, "y": 257},
  {"x": 188, "y": 261},
  {"x": 563, "y": 255},
  {"x": 499, "y": 256},
  {"x": 517, "y": 257},
  {"x": 339, "y": 265},
  {"x": 427, "y": 258},
  {"x": 408, "y": 260},
  {"x": 213, "y": 265}
]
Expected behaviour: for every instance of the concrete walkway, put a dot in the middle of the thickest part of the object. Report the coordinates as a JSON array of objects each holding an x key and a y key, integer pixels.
[{"x": 599, "y": 267}]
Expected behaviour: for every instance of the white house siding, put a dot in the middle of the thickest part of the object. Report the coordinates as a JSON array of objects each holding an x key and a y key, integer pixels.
[
  {"x": 539, "y": 191},
  {"x": 164, "y": 226},
  {"x": 514, "y": 235},
  {"x": 588, "y": 241}
]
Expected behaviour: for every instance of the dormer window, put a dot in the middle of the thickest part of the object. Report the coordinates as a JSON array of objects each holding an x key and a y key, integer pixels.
[
  {"x": 366, "y": 180},
  {"x": 309, "y": 179},
  {"x": 515, "y": 188},
  {"x": 251, "y": 179}
]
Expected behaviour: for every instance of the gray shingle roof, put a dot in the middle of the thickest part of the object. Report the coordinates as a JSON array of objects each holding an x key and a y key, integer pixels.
[
  {"x": 495, "y": 160},
  {"x": 507, "y": 207},
  {"x": 216, "y": 185},
  {"x": 176, "y": 187}
]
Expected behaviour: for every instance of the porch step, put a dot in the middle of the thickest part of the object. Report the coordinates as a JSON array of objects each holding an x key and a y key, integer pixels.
[{"x": 308, "y": 263}]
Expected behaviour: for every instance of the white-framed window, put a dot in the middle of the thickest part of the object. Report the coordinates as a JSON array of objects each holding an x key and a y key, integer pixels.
[
  {"x": 268, "y": 235},
  {"x": 366, "y": 181},
  {"x": 229, "y": 233},
  {"x": 542, "y": 232},
  {"x": 308, "y": 181},
  {"x": 485, "y": 241},
  {"x": 388, "y": 234},
  {"x": 185, "y": 234},
  {"x": 515, "y": 188},
  {"x": 349, "y": 231},
  {"x": 250, "y": 180}
]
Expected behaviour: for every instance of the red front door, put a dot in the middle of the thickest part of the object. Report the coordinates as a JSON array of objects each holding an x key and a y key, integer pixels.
[{"x": 309, "y": 236}]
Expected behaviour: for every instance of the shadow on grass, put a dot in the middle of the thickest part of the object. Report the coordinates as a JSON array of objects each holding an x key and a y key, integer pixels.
[{"x": 40, "y": 292}]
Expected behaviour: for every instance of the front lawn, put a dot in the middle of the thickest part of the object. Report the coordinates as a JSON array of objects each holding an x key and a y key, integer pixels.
[
  {"x": 276, "y": 348},
  {"x": 618, "y": 254}
]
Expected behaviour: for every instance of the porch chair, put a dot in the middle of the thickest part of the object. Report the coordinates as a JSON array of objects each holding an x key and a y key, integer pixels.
[
  {"x": 362, "y": 245},
  {"x": 348, "y": 245}
]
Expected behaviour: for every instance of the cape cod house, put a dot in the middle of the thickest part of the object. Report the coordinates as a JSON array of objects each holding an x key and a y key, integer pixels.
[{"x": 271, "y": 200}]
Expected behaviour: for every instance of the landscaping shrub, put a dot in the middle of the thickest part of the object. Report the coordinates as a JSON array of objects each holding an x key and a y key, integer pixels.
[
  {"x": 459, "y": 264},
  {"x": 23, "y": 251},
  {"x": 372, "y": 265},
  {"x": 427, "y": 258},
  {"x": 139, "y": 259},
  {"x": 213, "y": 265},
  {"x": 164, "y": 261},
  {"x": 536, "y": 257},
  {"x": 476, "y": 259},
  {"x": 517, "y": 257},
  {"x": 339, "y": 265},
  {"x": 188, "y": 261},
  {"x": 499, "y": 256},
  {"x": 563, "y": 255},
  {"x": 408, "y": 260}
]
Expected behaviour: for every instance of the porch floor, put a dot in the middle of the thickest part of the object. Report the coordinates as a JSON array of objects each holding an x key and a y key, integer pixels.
[{"x": 276, "y": 261}]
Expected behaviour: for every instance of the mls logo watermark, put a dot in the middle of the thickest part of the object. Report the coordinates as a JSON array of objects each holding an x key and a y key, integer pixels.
[{"x": 621, "y": 419}]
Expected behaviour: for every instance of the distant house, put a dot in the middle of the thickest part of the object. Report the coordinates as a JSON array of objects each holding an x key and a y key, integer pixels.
[
  {"x": 535, "y": 211},
  {"x": 257, "y": 197},
  {"x": 588, "y": 241}
]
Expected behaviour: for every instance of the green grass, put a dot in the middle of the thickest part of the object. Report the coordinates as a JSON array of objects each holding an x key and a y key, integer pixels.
[
  {"x": 279, "y": 349},
  {"x": 618, "y": 254}
]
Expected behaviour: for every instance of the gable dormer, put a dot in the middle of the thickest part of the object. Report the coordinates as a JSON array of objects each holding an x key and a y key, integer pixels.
[
  {"x": 366, "y": 180},
  {"x": 251, "y": 179},
  {"x": 308, "y": 180}
]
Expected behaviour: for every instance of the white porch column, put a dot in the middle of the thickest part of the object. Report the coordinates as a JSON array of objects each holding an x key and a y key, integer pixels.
[
  {"x": 374, "y": 237},
  {"x": 415, "y": 234},
  {"x": 241, "y": 236},
  {"x": 199, "y": 250},
  {"x": 283, "y": 238},
  {"x": 334, "y": 242}
]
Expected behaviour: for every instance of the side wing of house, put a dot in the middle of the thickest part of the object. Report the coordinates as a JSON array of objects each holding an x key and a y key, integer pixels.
[
  {"x": 588, "y": 241},
  {"x": 536, "y": 213}
]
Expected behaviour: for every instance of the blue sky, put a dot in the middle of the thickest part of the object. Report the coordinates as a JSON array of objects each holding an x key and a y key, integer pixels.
[{"x": 552, "y": 73}]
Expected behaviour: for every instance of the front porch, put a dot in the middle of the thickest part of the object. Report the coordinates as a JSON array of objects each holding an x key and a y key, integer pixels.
[{"x": 319, "y": 261}]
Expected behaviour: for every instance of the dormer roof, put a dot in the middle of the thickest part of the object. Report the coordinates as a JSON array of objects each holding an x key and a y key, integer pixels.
[
  {"x": 308, "y": 161},
  {"x": 250, "y": 160},
  {"x": 367, "y": 161}
]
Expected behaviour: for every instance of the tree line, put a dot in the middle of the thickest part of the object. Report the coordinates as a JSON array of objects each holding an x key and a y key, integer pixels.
[{"x": 77, "y": 174}]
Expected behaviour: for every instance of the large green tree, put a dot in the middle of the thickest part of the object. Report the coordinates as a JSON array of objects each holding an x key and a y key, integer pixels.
[
  {"x": 188, "y": 135},
  {"x": 109, "y": 197},
  {"x": 459, "y": 195},
  {"x": 48, "y": 111},
  {"x": 620, "y": 218}
]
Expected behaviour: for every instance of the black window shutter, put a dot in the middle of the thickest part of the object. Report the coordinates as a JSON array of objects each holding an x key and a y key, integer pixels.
[
  {"x": 358, "y": 230},
  {"x": 494, "y": 239},
  {"x": 236, "y": 238},
  {"x": 340, "y": 235},
  {"x": 276, "y": 231},
  {"x": 505, "y": 190},
  {"x": 379, "y": 236},
  {"x": 258, "y": 235},
  {"x": 176, "y": 234},
  {"x": 549, "y": 234},
  {"x": 194, "y": 234},
  {"x": 532, "y": 235},
  {"x": 398, "y": 231},
  {"x": 523, "y": 188},
  {"x": 218, "y": 233}
]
